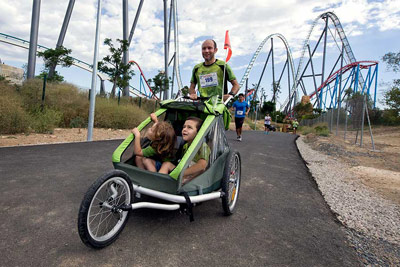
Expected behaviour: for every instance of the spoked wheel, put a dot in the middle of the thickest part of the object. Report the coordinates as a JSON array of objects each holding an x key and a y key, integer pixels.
[
  {"x": 101, "y": 218},
  {"x": 231, "y": 182}
]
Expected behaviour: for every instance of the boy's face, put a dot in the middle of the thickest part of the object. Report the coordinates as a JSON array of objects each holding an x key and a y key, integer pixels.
[{"x": 189, "y": 130}]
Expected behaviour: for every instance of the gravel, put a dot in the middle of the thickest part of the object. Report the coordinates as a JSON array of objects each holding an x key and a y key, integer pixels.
[{"x": 372, "y": 222}]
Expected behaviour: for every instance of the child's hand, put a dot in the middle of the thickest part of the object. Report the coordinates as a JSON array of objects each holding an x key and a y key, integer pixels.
[
  {"x": 136, "y": 132},
  {"x": 153, "y": 117}
]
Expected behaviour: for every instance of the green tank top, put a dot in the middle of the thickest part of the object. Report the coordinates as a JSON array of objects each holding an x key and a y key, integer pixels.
[{"x": 209, "y": 79}]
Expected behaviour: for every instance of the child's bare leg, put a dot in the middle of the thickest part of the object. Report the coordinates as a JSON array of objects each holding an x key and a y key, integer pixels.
[
  {"x": 139, "y": 162},
  {"x": 166, "y": 167},
  {"x": 149, "y": 164}
]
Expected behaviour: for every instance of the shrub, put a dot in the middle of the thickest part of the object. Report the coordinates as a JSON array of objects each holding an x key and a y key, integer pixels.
[
  {"x": 31, "y": 95},
  {"x": 46, "y": 121},
  {"x": 13, "y": 118},
  {"x": 149, "y": 105},
  {"x": 323, "y": 132},
  {"x": 109, "y": 114},
  {"x": 69, "y": 101},
  {"x": 306, "y": 130}
]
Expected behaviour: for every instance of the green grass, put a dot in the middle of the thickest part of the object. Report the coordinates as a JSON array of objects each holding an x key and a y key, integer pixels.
[{"x": 22, "y": 110}]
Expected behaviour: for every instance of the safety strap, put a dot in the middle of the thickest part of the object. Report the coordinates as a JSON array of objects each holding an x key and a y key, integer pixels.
[{"x": 189, "y": 210}]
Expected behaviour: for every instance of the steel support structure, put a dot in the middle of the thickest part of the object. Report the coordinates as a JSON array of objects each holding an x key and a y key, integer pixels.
[
  {"x": 33, "y": 39},
  {"x": 125, "y": 23},
  {"x": 63, "y": 32}
]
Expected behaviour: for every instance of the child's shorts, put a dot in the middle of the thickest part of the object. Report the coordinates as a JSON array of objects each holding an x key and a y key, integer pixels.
[{"x": 158, "y": 165}]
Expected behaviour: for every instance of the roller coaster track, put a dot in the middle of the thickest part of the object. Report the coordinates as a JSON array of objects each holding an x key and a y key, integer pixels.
[
  {"x": 362, "y": 64},
  {"x": 343, "y": 38},
  {"x": 258, "y": 51},
  {"x": 5, "y": 38}
]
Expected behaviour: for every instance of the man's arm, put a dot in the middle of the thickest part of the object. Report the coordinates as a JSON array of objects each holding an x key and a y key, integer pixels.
[
  {"x": 235, "y": 86},
  {"x": 192, "y": 91},
  {"x": 234, "y": 90}
]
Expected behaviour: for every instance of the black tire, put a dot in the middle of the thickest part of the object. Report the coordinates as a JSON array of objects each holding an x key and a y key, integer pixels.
[
  {"x": 231, "y": 182},
  {"x": 112, "y": 189}
]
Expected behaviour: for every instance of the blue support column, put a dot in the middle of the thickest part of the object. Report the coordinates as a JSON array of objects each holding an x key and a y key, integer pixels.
[
  {"x": 367, "y": 79},
  {"x": 376, "y": 83},
  {"x": 356, "y": 80}
]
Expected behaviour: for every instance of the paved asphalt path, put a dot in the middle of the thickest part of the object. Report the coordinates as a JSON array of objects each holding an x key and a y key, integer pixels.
[{"x": 281, "y": 218}]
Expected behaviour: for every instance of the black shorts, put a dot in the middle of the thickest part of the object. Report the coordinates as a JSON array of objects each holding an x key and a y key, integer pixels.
[
  {"x": 268, "y": 126},
  {"x": 239, "y": 122}
]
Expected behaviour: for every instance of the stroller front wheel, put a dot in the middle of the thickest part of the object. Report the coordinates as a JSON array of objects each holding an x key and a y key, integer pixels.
[{"x": 101, "y": 219}]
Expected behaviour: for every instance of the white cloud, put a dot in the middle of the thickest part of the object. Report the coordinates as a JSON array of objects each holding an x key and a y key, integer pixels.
[{"x": 249, "y": 22}]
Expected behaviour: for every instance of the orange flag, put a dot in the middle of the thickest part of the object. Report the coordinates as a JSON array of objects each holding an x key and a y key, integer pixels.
[{"x": 227, "y": 45}]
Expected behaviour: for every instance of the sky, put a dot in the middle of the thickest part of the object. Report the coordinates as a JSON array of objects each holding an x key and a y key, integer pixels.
[{"x": 372, "y": 29}]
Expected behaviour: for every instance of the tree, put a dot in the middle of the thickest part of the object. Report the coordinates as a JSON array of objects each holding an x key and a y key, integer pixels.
[
  {"x": 114, "y": 67},
  {"x": 54, "y": 57},
  {"x": 302, "y": 109},
  {"x": 392, "y": 60},
  {"x": 392, "y": 96},
  {"x": 159, "y": 82},
  {"x": 268, "y": 107}
]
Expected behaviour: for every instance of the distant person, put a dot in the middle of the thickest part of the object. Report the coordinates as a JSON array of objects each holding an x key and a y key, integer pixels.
[
  {"x": 157, "y": 156},
  {"x": 295, "y": 124},
  {"x": 241, "y": 108},
  {"x": 267, "y": 124},
  {"x": 208, "y": 75}
]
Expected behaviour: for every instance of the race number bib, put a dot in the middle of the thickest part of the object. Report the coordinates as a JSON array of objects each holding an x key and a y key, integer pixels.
[
  {"x": 239, "y": 112},
  {"x": 208, "y": 80}
]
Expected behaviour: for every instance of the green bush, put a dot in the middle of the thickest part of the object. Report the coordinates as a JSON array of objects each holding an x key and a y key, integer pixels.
[
  {"x": 13, "y": 118},
  {"x": 109, "y": 114},
  {"x": 68, "y": 100},
  {"x": 21, "y": 108},
  {"x": 46, "y": 121},
  {"x": 306, "y": 130},
  {"x": 323, "y": 132},
  {"x": 149, "y": 105}
]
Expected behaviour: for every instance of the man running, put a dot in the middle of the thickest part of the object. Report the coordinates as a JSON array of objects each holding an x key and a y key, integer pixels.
[
  {"x": 209, "y": 75},
  {"x": 241, "y": 111}
]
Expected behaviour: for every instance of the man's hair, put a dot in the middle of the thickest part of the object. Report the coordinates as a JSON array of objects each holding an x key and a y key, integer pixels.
[
  {"x": 241, "y": 94},
  {"x": 198, "y": 121},
  {"x": 215, "y": 44}
]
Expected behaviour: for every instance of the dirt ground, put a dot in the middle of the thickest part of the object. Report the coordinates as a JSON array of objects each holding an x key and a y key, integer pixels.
[
  {"x": 379, "y": 169},
  {"x": 61, "y": 135}
]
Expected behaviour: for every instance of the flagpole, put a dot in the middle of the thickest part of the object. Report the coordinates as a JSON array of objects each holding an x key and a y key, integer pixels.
[{"x": 223, "y": 79}]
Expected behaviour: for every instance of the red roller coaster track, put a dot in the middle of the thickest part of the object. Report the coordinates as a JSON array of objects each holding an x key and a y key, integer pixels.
[
  {"x": 363, "y": 65},
  {"x": 145, "y": 80}
]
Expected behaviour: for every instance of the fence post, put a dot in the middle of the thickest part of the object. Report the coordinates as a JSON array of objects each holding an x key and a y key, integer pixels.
[
  {"x": 370, "y": 130},
  {"x": 331, "y": 122},
  {"x": 362, "y": 119},
  {"x": 44, "y": 91},
  {"x": 345, "y": 124}
]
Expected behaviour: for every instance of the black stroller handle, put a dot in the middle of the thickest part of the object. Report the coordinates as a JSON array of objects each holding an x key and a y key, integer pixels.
[{"x": 201, "y": 98}]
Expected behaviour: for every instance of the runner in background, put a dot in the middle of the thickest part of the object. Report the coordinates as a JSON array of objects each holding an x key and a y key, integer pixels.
[
  {"x": 241, "y": 111},
  {"x": 267, "y": 124}
]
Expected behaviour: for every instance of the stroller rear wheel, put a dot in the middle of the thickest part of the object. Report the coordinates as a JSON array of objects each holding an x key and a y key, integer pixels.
[{"x": 231, "y": 182}]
